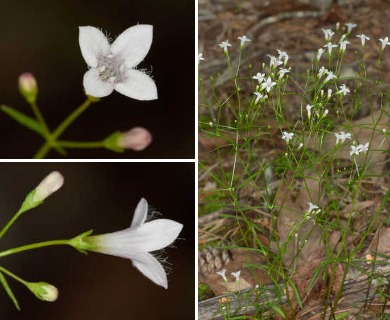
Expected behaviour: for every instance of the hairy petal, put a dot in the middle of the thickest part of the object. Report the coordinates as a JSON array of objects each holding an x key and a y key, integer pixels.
[
  {"x": 137, "y": 85},
  {"x": 151, "y": 268},
  {"x": 133, "y": 44},
  {"x": 94, "y": 86},
  {"x": 140, "y": 213},
  {"x": 92, "y": 44}
]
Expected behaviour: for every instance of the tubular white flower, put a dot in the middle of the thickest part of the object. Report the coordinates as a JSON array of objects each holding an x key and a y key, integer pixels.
[
  {"x": 112, "y": 67},
  {"x": 48, "y": 186},
  {"x": 136, "y": 242}
]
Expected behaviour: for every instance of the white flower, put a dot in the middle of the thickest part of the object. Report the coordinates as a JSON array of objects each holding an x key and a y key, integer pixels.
[
  {"x": 358, "y": 149},
  {"x": 308, "y": 108},
  {"x": 328, "y": 34},
  {"x": 313, "y": 207},
  {"x": 354, "y": 150},
  {"x": 287, "y": 136},
  {"x": 48, "y": 186},
  {"x": 200, "y": 57},
  {"x": 282, "y": 72},
  {"x": 342, "y": 136},
  {"x": 330, "y": 76},
  {"x": 343, "y": 45},
  {"x": 222, "y": 273},
  {"x": 258, "y": 96},
  {"x": 243, "y": 39},
  {"x": 322, "y": 71},
  {"x": 363, "y": 148},
  {"x": 268, "y": 84},
  {"x": 350, "y": 26},
  {"x": 343, "y": 90},
  {"x": 363, "y": 38},
  {"x": 330, "y": 46},
  {"x": 319, "y": 53},
  {"x": 136, "y": 139},
  {"x": 274, "y": 62},
  {"x": 136, "y": 242},
  {"x": 236, "y": 275},
  {"x": 112, "y": 66},
  {"x": 385, "y": 42},
  {"x": 283, "y": 55},
  {"x": 224, "y": 45},
  {"x": 329, "y": 92},
  {"x": 259, "y": 77}
]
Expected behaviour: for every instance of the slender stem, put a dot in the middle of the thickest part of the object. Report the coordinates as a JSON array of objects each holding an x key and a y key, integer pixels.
[
  {"x": 10, "y": 223},
  {"x": 33, "y": 246},
  {"x": 63, "y": 126},
  {"x": 80, "y": 144},
  {"x": 12, "y": 275},
  {"x": 41, "y": 120}
]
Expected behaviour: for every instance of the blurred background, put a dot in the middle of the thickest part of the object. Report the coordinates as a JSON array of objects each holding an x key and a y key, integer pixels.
[
  {"x": 42, "y": 37},
  {"x": 102, "y": 197}
]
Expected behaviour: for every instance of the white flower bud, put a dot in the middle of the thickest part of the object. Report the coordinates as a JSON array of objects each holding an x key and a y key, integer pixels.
[
  {"x": 43, "y": 291},
  {"x": 136, "y": 139},
  {"x": 28, "y": 87},
  {"x": 49, "y": 185}
]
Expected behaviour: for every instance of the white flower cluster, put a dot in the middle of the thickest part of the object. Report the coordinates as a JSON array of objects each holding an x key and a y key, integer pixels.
[
  {"x": 360, "y": 148},
  {"x": 236, "y": 275}
]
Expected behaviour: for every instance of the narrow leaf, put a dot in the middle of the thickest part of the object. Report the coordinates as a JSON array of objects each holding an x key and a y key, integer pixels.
[
  {"x": 7, "y": 289},
  {"x": 296, "y": 293},
  {"x": 278, "y": 310},
  {"x": 23, "y": 119}
]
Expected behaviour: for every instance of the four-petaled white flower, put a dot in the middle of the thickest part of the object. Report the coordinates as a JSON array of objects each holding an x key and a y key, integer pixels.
[
  {"x": 283, "y": 55},
  {"x": 268, "y": 84},
  {"x": 259, "y": 77},
  {"x": 328, "y": 34},
  {"x": 200, "y": 56},
  {"x": 358, "y": 149},
  {"x": 287, "y": 136},
  {"x": 258, "y": 96},
  {"x": 342, "y": 137},
  {"x": 243, "y": 39},
  {"x": 363, "y": 38},
  {"x": 222, "y": 273},
  {"x": 350, "y": 26},
  {"x": 330, "y": 47},
  {"x": 343, "y": 90},
  {"x": 385, "y": 42},
  {"x": 112, "y": 67},
  {"x": 224, "y": 45},
  {"x": 274, "y": 62},
  {"x": 319, "y": 53},
  {"x": 136, "y": 242},
  {"x": 236, "y": 275},
  {"x": 329, "y": 76},
  {"x": 313, "y": 208},
  {"x": 343, "y": 45},
  {"x": 282, "y": 72}
]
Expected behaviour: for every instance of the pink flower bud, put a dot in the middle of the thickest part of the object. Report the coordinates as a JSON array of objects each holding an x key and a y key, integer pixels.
[
  {"x": 28, "y": 87},
  {"x": 48, "y": 185},
  {"x": 136, "y": 139}
]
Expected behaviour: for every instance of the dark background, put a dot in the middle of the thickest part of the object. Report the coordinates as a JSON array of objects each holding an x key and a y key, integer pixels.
[
  {"x": 102, "y": 197},
  {"x": 41, "y": 37}
]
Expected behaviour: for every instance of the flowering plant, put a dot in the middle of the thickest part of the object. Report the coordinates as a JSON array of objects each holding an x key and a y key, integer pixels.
[{"x": 111, "y": 67}]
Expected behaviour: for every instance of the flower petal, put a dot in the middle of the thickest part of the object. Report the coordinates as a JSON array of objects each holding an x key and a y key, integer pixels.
[
  {"x": 140, "y": 213},
  {"x": 137, "y": 85},
  {"x": 133, "y": 44},
  {"x": 94, "y": 86},
  {"x": 151, "y": 268},
  {"x": 92, "y": 43}
]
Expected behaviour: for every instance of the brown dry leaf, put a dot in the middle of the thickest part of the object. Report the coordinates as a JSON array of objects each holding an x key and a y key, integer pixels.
[
  {"x": 381, "y": 242},
  {"x": 232, "y": 260}
]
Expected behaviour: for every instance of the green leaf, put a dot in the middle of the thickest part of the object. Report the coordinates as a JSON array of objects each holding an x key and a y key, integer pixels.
[
  {"x": 278, "y": 310},
  {"x": 342, "y": 315},
  {"x": 23, "y": 119},
  {"x": 7, "y": 289},
  {"x": 295, "y": 292}
]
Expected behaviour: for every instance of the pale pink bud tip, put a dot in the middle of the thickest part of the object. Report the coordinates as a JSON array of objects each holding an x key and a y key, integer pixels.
[
  {"x": 28, "y": 87},
  {"x": 49, "y": 185},
  {"x": 50, "y": 294},
  {"x": 136, "y": 139}
]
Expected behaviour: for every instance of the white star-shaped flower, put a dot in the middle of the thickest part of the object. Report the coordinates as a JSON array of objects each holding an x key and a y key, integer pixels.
[
  {"x": 113, "y": 66},
  {"x": 358, "y": 149},
  {"x": 363, "y": 38},
  {"x": 282, "y": 72},
  {"x": 343, "y": 45},
  {"x": 328, "y": 34},
  {"x": 258, "y": 96},
  {"x": 342, "y": 137},
  {"x": 350, "y": 26},
  {"x": 343, "y": 90},
  {"x": 236, "y": 275},
  {"x": 330, "y": 47},
  {"x": 329, "y": 76},
  {"x": 313, "y": 207},
  {"x": 287, "y": 136},
  {"x": 224, "y": 45},
  {"x": 222, "y": 273},
  {"x": 385, "y": 42},
  {"x": 274, "y": 62},
  {"x": 136, "y": 242},
  {"x": 319, "y": 53},
  {"x": 283, "y": 55},
  {"x": 268, "y": 84},
  {"x": 243, "y": 39},
  {"x": 259, "y": 77}
]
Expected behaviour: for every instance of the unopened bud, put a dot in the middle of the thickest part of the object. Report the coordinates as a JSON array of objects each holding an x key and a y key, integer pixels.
[
  {"x": 49, "y": 185},
  {"x": 43, "y": 291},
  {"x": 28, "y": 87},
  {"x": 136, "y": 139}
]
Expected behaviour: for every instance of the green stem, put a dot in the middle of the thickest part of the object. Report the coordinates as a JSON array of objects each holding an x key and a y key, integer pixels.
[
  {"x": 42, "y": 152},
  {"x": 81, "y": 144},
  {"x": 12, "y": 275},
  {"x": 41, "y": 120},
  {"x": 34, "y": 246},
  {"x": 10, "y": 223}
]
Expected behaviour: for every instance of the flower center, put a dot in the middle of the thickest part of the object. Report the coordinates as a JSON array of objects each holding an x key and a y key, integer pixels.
[{"x": 111, "y": 69}]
